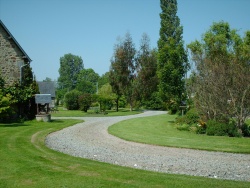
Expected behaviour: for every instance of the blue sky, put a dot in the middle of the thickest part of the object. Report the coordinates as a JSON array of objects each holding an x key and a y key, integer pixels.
[{"x": 48, "y": 29}]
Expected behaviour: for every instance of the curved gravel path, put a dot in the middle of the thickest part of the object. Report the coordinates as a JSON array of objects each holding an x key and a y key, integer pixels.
[{"x": 91, "y": 140}]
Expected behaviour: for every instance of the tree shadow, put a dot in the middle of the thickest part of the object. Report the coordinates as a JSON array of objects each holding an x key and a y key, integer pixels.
[{"x": 16, "y": 124}]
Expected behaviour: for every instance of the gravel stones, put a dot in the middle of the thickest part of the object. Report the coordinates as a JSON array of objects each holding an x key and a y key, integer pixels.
[{"x": 91, "y": 140}]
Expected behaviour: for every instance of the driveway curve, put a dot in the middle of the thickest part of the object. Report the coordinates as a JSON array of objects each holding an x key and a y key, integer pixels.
[{"x": 91, "y": 140}]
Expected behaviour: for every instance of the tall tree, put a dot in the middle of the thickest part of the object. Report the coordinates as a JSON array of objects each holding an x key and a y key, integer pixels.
[
  {"x": 123, "y": 68},
  {"x": 87, "y": 81},
  {"x": 146, "y": 66},
  {"x": 104, "y": 79},
  {"x": 70, "y": 67},
  {"x": 222, "y": 58},
  {"x": 172, "y": 58}
]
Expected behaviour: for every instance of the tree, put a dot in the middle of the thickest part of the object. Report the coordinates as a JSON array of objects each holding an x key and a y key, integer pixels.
[
  {"x": 70, "y": 66},
  {"x": 47, "y": 79},
  {"x": 172, "y": 58},
  {"x": 104, "y": 79},
  {"x": 222, "y": 68},
  {"x": 146, "y": 66},
  {"x": 71, "y": 100},
  {"x": 87, "y": 81},
  {"x": 106, "y": 97},
  {"x": 122, "y": 69},
  {"x": 5, "y": 106},
  {"x": 85, "y": 101},
  {"x": 21, "y": 95}
]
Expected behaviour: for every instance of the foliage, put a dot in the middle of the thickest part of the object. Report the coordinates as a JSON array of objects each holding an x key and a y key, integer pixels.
[
  {"x": 191, "y": 117},
  {"x": 215, "y": 128},
  {"x": 172, "y": 58},
  {"x": 246, "y": 130},
  {"x": 104, "y": 79},
  {"x": 5, "y": 107},
  {"x": 201, "y": 129},
  {"x": 85, "y": 101},
  {"x": 154, "y": 102},
  {"x": 183, "y": 127},
  {"x": 47, "y": 79},
  {"x": 190, "y": 122},
  {"x": 87, "y": 81},
  {"x": 146, "y": 81},
  {"x": 122, "y": 69},
  {"x": 222, "y": 68},
  {"x": 106, "y": 97},
  {"x": 20, "y": 96},
  {"x": 70, "y": 67},
  {"x": 71, "y": 100}
]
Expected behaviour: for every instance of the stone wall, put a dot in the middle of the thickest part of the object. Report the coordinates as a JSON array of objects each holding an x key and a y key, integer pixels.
[{"x": 11, "y": 57}]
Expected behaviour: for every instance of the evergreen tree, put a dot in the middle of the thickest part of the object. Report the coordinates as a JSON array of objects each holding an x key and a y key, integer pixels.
[{"x": 172, "y": 58}]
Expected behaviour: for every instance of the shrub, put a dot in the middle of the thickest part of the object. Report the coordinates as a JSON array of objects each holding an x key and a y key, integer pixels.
[
  {"x": 154, "y": 102},
  {"x": 246, "y": 130},
  {"x": 71, "y": 100},
  {"x": 183, "y": 127},
  {"x": 201, "y": 127},
  {"x": 85, "y": 101},
  {"x": 215, "y": 128},
  {"x": 191, "y": 117},
  {"x": 5, "y": 107}
]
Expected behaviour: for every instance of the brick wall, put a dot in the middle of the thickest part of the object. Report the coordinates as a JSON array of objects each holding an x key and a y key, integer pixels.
[{"x": 10, "y": 58}]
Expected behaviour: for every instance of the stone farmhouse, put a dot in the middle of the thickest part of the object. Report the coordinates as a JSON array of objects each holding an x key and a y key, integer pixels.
[{"x": 12, "y": 56}]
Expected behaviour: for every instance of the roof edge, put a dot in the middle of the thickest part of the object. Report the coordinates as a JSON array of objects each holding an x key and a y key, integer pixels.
[{"x": 13, "y": 38}]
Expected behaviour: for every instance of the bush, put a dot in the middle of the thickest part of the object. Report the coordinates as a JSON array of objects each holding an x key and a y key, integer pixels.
[
  {"x": 154, "y": 102},
  {"x": 71, "y": 100},
  {"x": 201, "y": 127},
  {"x": 215, "y": 128},
  {"x": 183, "y": 127},
  {"x": 191, "y": 117},
  {"x": 85, "y": 101},
  {"x": 5, "y": 107},
  {"x": 246, "y": 130}
]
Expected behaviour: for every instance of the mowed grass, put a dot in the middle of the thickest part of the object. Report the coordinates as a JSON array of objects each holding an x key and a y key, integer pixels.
[
  {"x": 27, "y": 162},
  {"x": 91, "y": 113},
  {"x": 160, "y": 130}
]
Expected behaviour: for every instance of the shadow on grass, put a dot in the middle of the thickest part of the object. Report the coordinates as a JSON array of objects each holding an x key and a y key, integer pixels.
[
  {"x": 16, "y": 124},
  {"x": 171, "y": 121}
]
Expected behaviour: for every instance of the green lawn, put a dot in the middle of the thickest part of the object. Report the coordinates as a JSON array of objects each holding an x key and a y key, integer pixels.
[
  {"x": 91, "y": 113},
  {"x": 27, "y": 162},
  {"x": 159, "y": 130}
]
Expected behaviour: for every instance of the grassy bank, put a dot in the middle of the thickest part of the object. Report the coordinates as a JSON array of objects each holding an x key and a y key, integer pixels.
[
  {"x": 61, "y": 112},
  {"x": 160, "y": 130},
  {"x": 27, "y": 162}
]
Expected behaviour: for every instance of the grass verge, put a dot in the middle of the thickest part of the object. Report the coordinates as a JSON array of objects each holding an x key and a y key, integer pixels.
[
  {"x": 160, "y": 130},
  {"x": 91, "y": 113},
  {"x": 27, "y": 162}
]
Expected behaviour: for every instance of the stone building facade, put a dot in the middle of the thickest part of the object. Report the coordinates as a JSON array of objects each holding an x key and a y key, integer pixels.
[{"x": 12, "y": 57}]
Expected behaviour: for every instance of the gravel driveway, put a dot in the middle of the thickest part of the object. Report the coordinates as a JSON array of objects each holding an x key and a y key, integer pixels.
[{"x": 91, "y": 140}]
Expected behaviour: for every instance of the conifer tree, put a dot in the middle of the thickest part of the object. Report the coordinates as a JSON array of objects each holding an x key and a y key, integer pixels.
[{"x": 172, "y": 58}]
